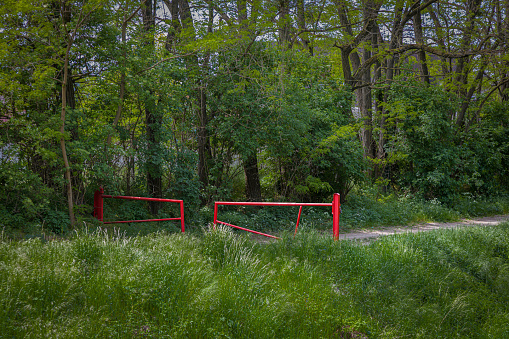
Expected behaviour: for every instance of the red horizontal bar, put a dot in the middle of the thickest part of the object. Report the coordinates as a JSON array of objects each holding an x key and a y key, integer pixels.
[
  {"x": 139, "y": 198},
  {"x": 120, "y": 222},
  {"x": 247, "y": 230},
  {"x": 272, "y": 203}
]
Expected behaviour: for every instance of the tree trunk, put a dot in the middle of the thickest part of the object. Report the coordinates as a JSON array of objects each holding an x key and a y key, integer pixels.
[
  {"x": 468, "y": 96},
  {"x": 176, "y": 26},
  {"x": 440, "y": 40},
  {"x": 154, "y": 170},
  {"x": 379, "y": 99},
  {"x": 65, "y": 14},
  {"x": 362, "y": 80},
  {"x": 462, "y": 68},
  {"x": 204, "y": 150},
  {"x": 152, "y": 122},
  {"x": 301, "y": 22},
  {"x": 364, "y": 102},
  {"x": 118, "y": 114},
  {"x": 421, "y": 55},
  {"x": 242, "y": 13},
  {"x": 70, "y": 203},
  {"x": 502, "y": 29},
  {"x": 283, "y": 23},
  {"x": 253, "y": 187}
]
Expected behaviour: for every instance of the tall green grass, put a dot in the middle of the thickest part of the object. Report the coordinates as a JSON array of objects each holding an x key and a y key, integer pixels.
[{"x": 444, "y": 284}]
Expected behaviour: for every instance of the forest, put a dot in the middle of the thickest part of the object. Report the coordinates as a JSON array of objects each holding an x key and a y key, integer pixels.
[{"x": 248, "y": 100}]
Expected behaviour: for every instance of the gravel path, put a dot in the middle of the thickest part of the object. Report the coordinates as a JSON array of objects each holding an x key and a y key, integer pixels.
[{"x": 370, "y": 233}]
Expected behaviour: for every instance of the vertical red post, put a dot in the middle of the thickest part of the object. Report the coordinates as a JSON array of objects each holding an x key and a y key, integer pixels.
[
  {"x": 98, "y": 204},
  {"x": 336, "y": 210},
  {"x": 215, "y": 214},
  {"x": 182, "y": 227}
]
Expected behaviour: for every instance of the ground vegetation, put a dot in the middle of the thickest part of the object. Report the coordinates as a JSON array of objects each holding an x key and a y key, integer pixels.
[{"x": 441, "y": 284}]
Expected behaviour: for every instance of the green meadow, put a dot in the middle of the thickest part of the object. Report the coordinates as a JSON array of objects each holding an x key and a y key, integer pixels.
[{"x": 221, "y": 284}]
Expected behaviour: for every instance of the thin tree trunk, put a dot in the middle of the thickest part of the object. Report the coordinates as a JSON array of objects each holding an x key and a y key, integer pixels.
[
  {"x": 462, "y": 69},
  {"x": 397, "y": 32},
  {"x": 204, "y": 150},
  {"x": 370, "y": 14},
  {"x": 468, "y": 97},
  {"x": 176, "y": 26},
  {"x": 65, "y": 13},
  {"x": 379, "y": 98},
  {"x": 504, "y": 25},
  {"x": 366, "y": 110},
  {"x": 70, "y": 202},
  {"x": 154, "y": 171},
  {"x": 118, "y": 114},
  {"x": 365, "y": 106}
]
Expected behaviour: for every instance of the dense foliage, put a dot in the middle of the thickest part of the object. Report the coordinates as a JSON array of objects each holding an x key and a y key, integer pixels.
[{"x": 274, "y": 100}]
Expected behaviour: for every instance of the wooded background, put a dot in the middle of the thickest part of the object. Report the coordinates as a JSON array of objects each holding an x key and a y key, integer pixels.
[{"x": 262, "y": 99}]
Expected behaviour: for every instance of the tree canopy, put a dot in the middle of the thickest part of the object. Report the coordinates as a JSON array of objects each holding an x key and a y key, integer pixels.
[{"x": 279, "y": 100}]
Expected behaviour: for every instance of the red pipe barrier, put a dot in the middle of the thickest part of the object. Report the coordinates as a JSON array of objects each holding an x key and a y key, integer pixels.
[
  {"x": 98, "y": 207},
  {"x": 249, "y": 203},
  {"x": 128, "y": 221},
  {"x": 248, "y": 230},
  {"x": 298, "y": 220},
  {"x": 139, "y": 198},
  {"x": 336, "y": 211}
]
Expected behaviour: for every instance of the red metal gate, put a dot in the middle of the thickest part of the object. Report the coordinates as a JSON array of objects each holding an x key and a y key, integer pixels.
[
  {"x": 336, "y": 211},
  {"x": 98, "y": 208}
]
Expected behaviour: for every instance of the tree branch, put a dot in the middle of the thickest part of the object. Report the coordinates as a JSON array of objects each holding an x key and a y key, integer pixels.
[
  {"x": 421, "y": 47},
  {"x": 164, "y": 60}
]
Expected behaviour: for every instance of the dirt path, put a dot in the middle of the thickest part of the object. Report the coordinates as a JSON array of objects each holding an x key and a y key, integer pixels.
[{"x": 375, "y": 233}]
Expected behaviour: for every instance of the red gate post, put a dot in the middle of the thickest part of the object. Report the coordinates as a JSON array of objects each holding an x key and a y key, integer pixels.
[
  {"x": 98, "y": 204},
  {"x": 182, "y": 227},
  {"x": 215, "y": 214},
  {"x": 336, "y": 210}
]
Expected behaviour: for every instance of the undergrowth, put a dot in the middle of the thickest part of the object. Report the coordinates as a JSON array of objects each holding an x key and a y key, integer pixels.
[
  {"x": 363, "y": 209},
  {"x": 443, "y": 284}
]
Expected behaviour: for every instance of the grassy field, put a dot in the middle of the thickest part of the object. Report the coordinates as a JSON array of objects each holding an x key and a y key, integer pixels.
[{"x": 443, "y": 284}]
